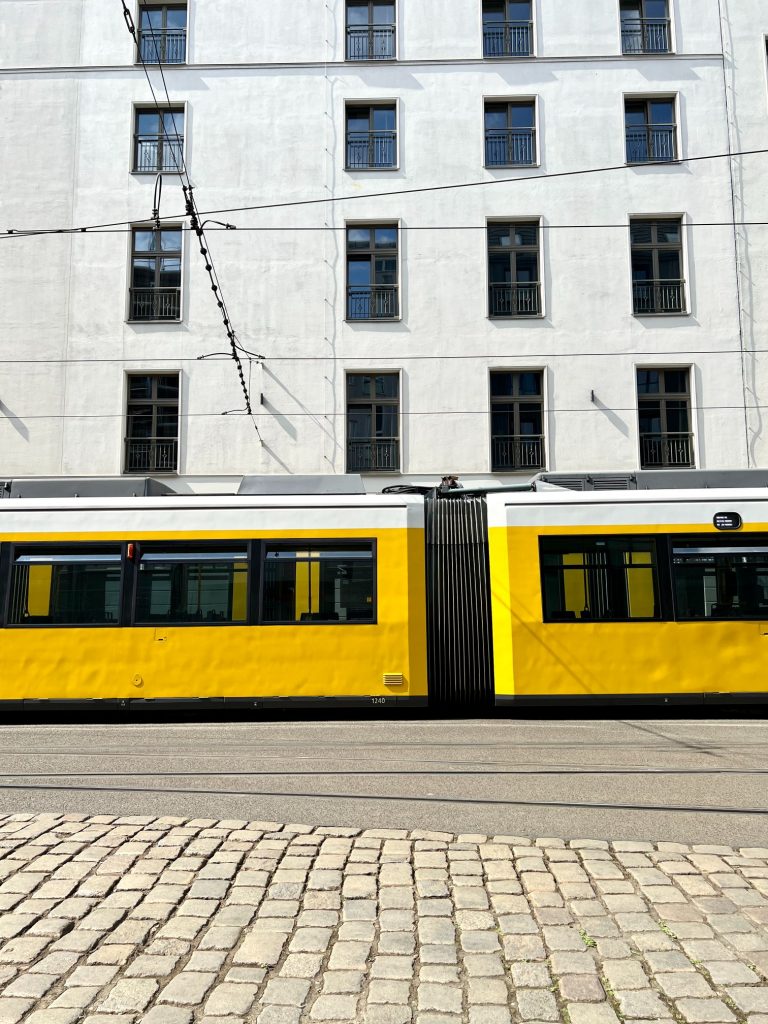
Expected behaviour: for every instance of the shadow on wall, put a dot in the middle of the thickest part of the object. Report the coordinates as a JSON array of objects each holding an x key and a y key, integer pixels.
[
  {"x": 610, "y": 415},
  {"x": 18, "y": 425}
]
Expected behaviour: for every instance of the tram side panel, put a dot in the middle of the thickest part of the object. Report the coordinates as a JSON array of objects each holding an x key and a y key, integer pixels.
[
  {"x": 628, "y": 599},
  {"x": 252, "y": 643}
]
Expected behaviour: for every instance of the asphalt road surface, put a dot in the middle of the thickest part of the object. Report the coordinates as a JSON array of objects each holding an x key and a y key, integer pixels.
[{"x": 690, "y": 780}]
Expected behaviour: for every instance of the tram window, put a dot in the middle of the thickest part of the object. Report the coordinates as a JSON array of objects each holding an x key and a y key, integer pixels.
[
  {"x": 207, "y": 586},
  {"x": 719, "y": 581},
  {"x": 66, "y": 587},
  {"x": 602, "y": 579},
  {"x": 318, "y": 584}
]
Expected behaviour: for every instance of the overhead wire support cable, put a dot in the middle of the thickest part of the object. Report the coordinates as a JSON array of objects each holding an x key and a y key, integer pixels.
[
  {"x": 192, "y": 212},
  {"x": 584, "y": 171},
  {"x": 404, "y": 228}
]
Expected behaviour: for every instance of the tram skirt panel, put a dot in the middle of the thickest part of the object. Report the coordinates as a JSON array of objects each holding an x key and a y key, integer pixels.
[{"x": 458, "y": 602}]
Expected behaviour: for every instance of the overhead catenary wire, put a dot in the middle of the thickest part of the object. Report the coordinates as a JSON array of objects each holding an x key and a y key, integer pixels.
[
  {"x": 403, "y": 228},
  {"x": 196, "y": 224},
  {"x": 319, "y": 415},
  {"x": 294, "y": 203},
  {"x": 391, "y": 357}
]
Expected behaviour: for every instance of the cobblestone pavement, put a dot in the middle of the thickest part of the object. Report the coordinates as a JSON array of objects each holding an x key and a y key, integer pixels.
[{"x": 120, "y": 920}]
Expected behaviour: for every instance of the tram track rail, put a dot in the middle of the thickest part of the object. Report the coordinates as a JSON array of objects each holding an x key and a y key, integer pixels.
[
  {"x": 683, "y": 780},
  {"x": 400, "y": 798}
]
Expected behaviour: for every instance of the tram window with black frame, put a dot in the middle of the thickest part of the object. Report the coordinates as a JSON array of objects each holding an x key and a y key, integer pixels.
[
  {"x": 607, "y": 579},
  {"x": 311, "y": 582},
  {"x": 204, "y": 585},
  {"x": 65, "y": 585},
  {"x": 723, "y": 578}
]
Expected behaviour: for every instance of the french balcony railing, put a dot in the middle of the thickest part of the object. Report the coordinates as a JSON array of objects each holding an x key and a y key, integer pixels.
[
  {"x": 158, "y": 153},
  {"x": 508, "y": 39},
  {"x": 374, "y": 454},
  {"x": 151, "y": 455},
  {"x": 652, "y": 144},
  {"x": 659, "y": 450},
  {"x": 515, "y": 299},
  {"x": 371, "y": 150},
  {"x": 645, "y": 35},
  {"x": 163, "y": 46},
  {"x": 517, "y": 451},
  {"x": 658, "y": 297},
  {"x": 155, "y": 303},
  {"x": 372, "y": 302},
  {"x": 512, "y": 147},
  {"x": 371, "y": 42}
]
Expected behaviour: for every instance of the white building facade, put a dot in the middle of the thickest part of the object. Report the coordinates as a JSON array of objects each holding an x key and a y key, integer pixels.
[{"x": 482, "y": 238}]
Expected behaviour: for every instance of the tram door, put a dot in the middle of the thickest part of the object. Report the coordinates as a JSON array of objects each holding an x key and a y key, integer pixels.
[{"x": 458, "y": 601}]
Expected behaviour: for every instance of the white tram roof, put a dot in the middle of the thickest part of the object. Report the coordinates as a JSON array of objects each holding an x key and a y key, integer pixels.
[
  {"x": 678, "y": 507},
  {"x": 199, "y": 514}
]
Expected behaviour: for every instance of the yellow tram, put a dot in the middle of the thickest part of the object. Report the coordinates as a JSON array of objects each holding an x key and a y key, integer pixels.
[
  {"x": 385, "y": 599},
  {"x": 236, "y": 598},
  {"x": 632, "y": 593}
]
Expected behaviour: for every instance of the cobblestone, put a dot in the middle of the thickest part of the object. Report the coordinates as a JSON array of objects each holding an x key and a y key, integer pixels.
[{"x": 164, "y": 921}]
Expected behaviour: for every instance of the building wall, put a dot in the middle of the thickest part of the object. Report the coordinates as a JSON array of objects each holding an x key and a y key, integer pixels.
[
  {"x": 745, "y": 28},
  {"x": 264, "y": 91}
]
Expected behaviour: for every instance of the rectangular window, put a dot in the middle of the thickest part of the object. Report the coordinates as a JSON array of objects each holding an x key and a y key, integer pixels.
[
  {"x": 318, "y": 584},
  {"x": 658, "y": 287},
  {"x": 65, "y": 587},
  {"x": 373, "y": 422},
  {"x": 152, "y": 422},
  {"x": 507, "y": 28},
  {"x": 372, "y": 289},
  {"x": 517, "y": 418},
  {"x": 606, "y": 579},
  {"x": 510, "y": 133},
  {"x": 664, "y": 409},
  {"x": 158, "y": 141},
  {"x": 371, "y": 137},
  {"x": 716, "y": 580},
  {"x": 513, "y": 269},
  {"x": 370, "y": 29},
  {"x": 156, "y": 274},
  {"x": 645, "y": 26},
  {"x": 163, "y": 34},
  {"x": 651, "y": 131},
  {"x": 207, "y": 584}
]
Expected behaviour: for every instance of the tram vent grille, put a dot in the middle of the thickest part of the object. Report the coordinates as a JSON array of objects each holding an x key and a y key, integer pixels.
[
  {"x": 572, "y": 483},
  {"x": 611, "y": 483}
]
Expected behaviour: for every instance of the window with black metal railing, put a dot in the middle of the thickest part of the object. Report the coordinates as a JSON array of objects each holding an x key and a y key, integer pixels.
[
  {"x": 510, "y": 134},
  {"x": 517, "y": 417},
  {"x": 155, "y": 292},
  {"x": 371, "y": 137},
  {"x": 152, "y": 423},
  {"x": 373, "y": 414},
  {"x": 507, "y": 28},
  {"x": 664, "y": 410},
  {"x": 370, "y": 30},
  {"x": 158, "y": 142},
  {"x": 658, "y": 287},
  {"x": 372, "y": 277},
  {"x": 513, "y": 270},
  {"x": 163, "y": 34},
  {"x": 651, "y": 131},
  {"x": 645, "y": 26}
]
